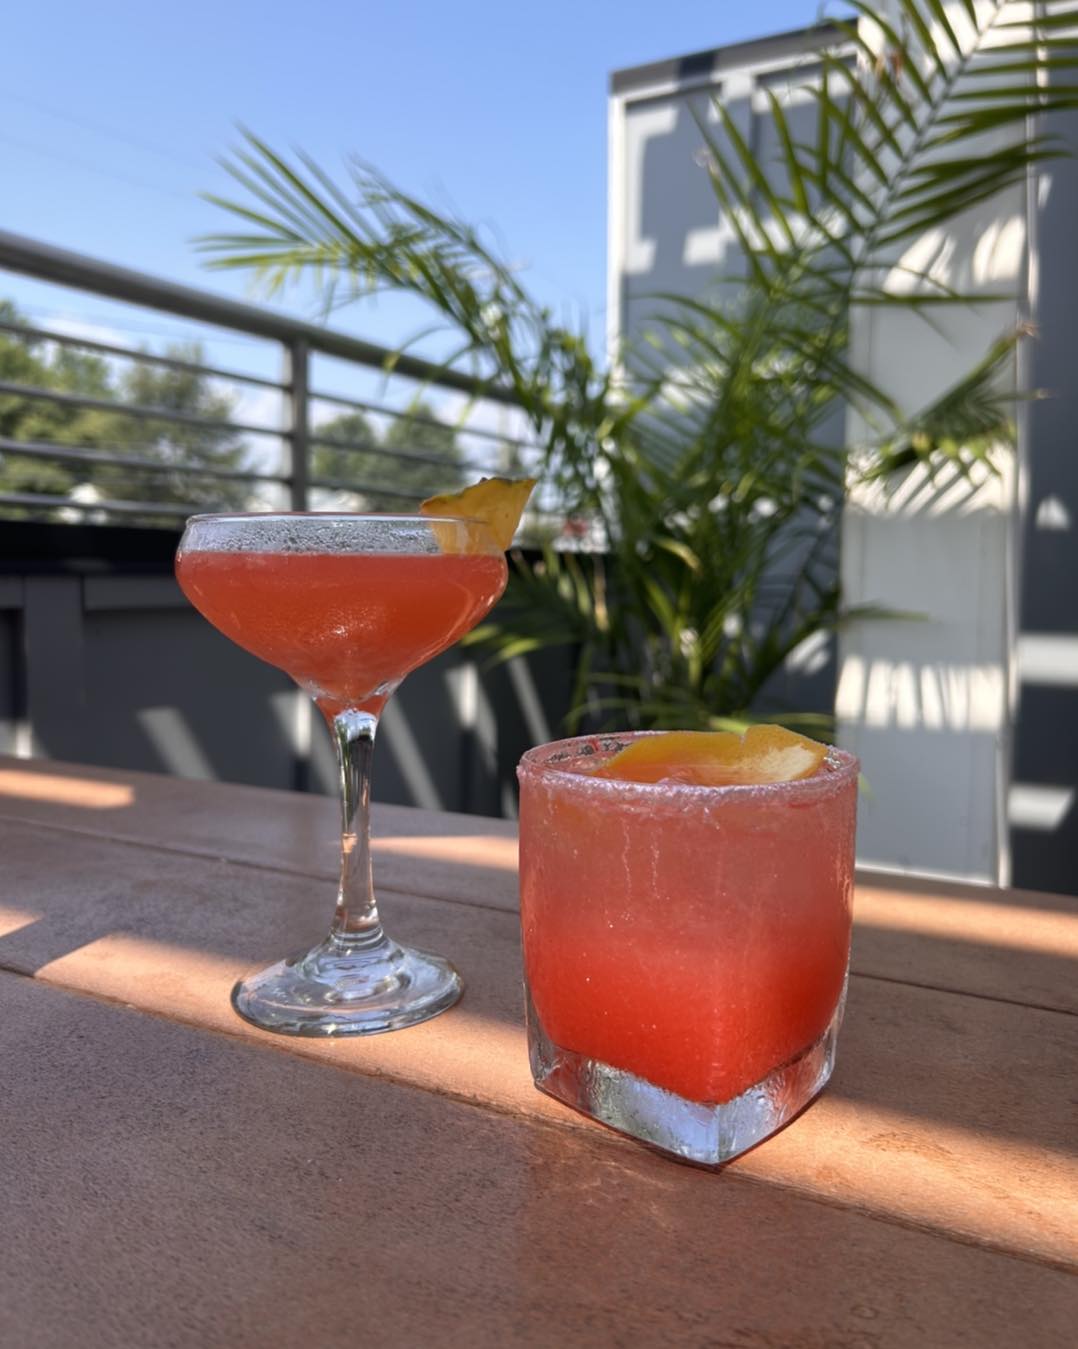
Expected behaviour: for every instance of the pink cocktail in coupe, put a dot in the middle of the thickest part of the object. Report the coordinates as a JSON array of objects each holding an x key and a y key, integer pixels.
[
  {"x": 347, "y": 605},
  {"x": 346, "y": 626}
]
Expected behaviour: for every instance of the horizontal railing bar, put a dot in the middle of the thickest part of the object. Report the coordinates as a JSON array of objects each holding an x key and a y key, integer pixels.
[
  {"x": 78, "y": 400},
  {"x": 114, "y": 507},
  {"x": 148, "y": 358},
  {"x": 423, "y": 417},
  {"x": 87, "y": 454},
  {"x": 368, "y": 489},
  {"x": 173, "y": 510},
  {"x": 389, "y": 451},
  {"x": 64, "y": 268}
]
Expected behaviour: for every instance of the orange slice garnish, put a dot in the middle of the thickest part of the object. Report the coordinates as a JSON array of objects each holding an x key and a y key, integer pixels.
[
  {"x": 717, "y": 758},
  {"x": 497, "y": 502}
]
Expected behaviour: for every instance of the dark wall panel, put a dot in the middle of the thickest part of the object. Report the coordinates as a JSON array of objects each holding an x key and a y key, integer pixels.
[
  {"x": 9, "y": 636},
  {"x": 1045, "y": 850},
  {"x": 118, "y": 670}
]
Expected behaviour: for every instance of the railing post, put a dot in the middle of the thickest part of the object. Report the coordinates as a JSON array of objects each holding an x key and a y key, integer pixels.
[
  {"x": 297, "y": 354},
  {"x": 297, "y": 358}
]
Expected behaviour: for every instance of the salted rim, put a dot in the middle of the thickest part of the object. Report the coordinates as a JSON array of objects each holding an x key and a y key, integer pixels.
[
  {"x": 543, "y": 762},
  {"x": 339, "y": 532},
  {"x": 403, "y": 517}
]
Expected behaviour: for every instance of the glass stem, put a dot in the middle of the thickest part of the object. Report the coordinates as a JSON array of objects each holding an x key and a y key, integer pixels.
[{"x": 355, "y": 924}]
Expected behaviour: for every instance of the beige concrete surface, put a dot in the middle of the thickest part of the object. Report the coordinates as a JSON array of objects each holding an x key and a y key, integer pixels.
[
  {"x": 289, "y": 831},
  {"x": 950, "y": 1120},
  {"x": 1011, "y": 944},
  {"x": 164, "y": 1187},
  {"x": 947, "y": 1111},
  {"x": 1014, "y": 945}
]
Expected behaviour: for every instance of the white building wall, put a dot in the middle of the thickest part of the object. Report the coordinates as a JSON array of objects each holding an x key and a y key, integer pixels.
[{"x": 926, "y": 702}]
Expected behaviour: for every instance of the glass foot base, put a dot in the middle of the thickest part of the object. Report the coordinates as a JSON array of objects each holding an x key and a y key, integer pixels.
[
  {"x": 693, "y": 1131},
  {"x": 336, "y": 989}
]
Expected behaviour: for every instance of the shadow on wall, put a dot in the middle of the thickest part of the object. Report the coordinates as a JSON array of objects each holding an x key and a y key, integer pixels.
[
  {"x": 673, "y": 237},
  {"x": 935, "y": 677},
  {"x": 119, "y": 671}
]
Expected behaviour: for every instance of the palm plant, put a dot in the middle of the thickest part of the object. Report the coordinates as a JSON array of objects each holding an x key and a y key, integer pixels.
[{"x": 707, "y": 459}]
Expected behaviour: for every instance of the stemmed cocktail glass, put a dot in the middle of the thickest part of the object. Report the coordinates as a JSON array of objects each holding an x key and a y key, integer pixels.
[{"x": 347, "y": 605}]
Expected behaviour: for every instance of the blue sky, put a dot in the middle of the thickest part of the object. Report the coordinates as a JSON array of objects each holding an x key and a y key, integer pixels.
[{"x": 111, "y": 115}]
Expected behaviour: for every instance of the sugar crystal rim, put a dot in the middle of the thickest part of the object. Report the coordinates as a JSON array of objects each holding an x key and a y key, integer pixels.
[
  {"x": 371, "y": 517},
  {"x": 545, "y": 762}
]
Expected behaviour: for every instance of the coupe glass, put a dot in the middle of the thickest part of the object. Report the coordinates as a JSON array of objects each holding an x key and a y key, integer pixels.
[{"x": 347, "y": 605}]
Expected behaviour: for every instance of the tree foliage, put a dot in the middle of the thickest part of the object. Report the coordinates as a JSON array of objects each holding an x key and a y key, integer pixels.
[
  {"x": 157, "y": 460},
  {"x": 417, "y": 456},
  {"x": 161, "y": 460}
]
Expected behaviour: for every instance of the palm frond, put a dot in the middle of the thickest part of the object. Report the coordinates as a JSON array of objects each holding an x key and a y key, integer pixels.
[
  {"x": 971, "y": 422},
  {"x": 712, "y": 468},
  {"x": 888, "y": 160}
]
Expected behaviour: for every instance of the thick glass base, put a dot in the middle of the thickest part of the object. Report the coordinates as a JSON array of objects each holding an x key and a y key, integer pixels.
[
  {"x": 342, "y": 988},
  {"x": 693, "y": 1131}
]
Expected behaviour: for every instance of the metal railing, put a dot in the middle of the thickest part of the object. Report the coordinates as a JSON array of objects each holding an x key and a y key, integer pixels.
[{"x": 296, "y": 483}]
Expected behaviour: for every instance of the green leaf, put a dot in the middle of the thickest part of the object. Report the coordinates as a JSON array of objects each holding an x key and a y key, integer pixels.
[
  {"x": 1044, "y": 23},
  {"x": 751, "y": 167},
  {"x": 894, "y": 44},
  {"x": 793, "y": 168},
  {"x": 938, "y": 10},
  {"x": 681, "y": 550},
  {"x": 911, "y": 14}
]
